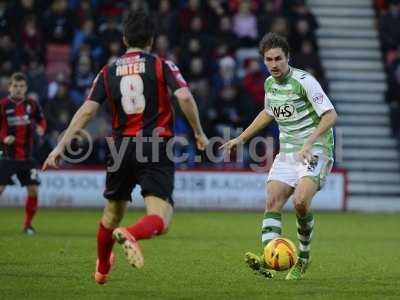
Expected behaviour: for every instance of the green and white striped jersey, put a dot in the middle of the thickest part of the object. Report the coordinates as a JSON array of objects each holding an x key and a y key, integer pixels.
[{"x": 297, "y": 103}]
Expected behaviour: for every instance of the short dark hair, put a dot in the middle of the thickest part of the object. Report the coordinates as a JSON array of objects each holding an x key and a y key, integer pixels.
[
  {"x": 274, "y": 40},
  {"x": 18, "y": 76},
  {"x": 139, "y": 29}
]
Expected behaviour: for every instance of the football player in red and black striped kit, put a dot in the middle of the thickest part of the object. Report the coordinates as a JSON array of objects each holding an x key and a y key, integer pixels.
[
  {"x": 136, "y": 87},
  {"x": 21, "y": 118}
]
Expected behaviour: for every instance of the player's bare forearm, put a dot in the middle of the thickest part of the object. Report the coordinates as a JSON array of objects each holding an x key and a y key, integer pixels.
[
  {"x": 84, "y": 114},
  {"x": 190, "y": 110},
  {"x": 262, "y": 120},
  {"x": 327, "y": 121}
]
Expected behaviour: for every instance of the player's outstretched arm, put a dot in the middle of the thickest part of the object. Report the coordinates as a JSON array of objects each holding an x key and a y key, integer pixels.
[
  {"x": 262, "y": 120},
  {"x": 328, "y": 119},
  {"x": 191, "y": 112},
  {"x": 84, "y": 114}
]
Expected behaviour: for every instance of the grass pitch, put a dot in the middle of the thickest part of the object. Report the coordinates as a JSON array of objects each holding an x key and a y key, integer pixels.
[{"x": 355, "y": 256}]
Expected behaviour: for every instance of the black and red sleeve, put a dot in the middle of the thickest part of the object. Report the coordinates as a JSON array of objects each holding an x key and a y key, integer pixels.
[
  {"x": 98, "y": 91},
  {"x": 173, "y": 76},
  {"x": 39, "y": 116}
]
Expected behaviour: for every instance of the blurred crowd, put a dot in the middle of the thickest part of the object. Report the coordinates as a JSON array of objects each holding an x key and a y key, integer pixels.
[
  {"x": 61, "y": 45},
  {"x": 389, "y": 30}
]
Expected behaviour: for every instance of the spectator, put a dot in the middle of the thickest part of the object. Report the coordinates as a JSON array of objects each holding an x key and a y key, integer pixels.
[
  {"x": 4, "y": 82},
  {"x": 301, "y": 31},
  {"x": 10, "y": 58},
  {"x": 19, "y": 11},
  {"x": 225, "y": 76},
  {"x": 308, "y": 60},
  {"x": 394, "y": 74},
  {"x": 234, "y": 5},
  {"x": 167, "y": 20},
  {"x": 85, "y": 11},
  {"x": 215, "y": 11},
  {"x": 138, "y": 5},
  {"x": 381, "y": 6},
  {"x": 197, "y": 31},
  {"x": 59, "y": 110},
  {"x": 280, "y": 25},
  {"x": 86, "y": 34},
  {"x": 233, "y": 110},
  {"x": 198, "y": 81},
  {"x": 53, "y": 86},
  {"x": 162, "y": 47},
  {"x": 5, "y": 23},
  {"x": 60, "y": 25},
  {"x": 299, "y": 11},
  {"x": 186, "y": 15},
  {"x": 253, "y": 82},
  {"x": 266, "y": 17},
  {"x": 191, "y": 47},
  {"x": 393, "y": 93},
  {"x": 389, "y": 27},
  {"x": 109, "y": 8},
  {"x": 32, "y": 39},
  {"x": 113, "y": 51},
  {"x": 110, "y": 31},
  {"x": 245, "y": 25},
  {"x": 225, "y": 35},
  {"x": 82, "y": 80},
  {"x": 37, "y": 81}
]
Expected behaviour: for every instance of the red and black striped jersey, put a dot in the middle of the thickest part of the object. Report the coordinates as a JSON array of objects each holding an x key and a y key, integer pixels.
[
  {"x": 137, "y": 87},
  {"x": 19, "y": 118}
]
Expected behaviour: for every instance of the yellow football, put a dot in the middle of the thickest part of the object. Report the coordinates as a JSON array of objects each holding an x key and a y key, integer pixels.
[{"x": 280, "y": 254}]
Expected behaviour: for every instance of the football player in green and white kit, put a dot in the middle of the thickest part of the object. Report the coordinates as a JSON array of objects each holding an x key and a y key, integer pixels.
[{"x": 305, "y": 117}]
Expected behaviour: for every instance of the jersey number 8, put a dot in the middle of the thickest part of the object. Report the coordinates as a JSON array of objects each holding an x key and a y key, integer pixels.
[{"x": 133, "y": 100}]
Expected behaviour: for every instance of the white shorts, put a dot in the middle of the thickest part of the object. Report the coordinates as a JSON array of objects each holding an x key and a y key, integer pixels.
[{"x": 289, "y": 168}]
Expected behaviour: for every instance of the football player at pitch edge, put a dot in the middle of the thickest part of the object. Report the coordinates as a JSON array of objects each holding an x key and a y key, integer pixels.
[
  {"x": 21, "y": 121},
  {"x": 305, "y": 117}
]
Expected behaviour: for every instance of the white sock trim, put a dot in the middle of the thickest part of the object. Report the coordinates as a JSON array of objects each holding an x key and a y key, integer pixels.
[
  {"x": 269, "y": 236},
  {"x": 271, "y": 222}
]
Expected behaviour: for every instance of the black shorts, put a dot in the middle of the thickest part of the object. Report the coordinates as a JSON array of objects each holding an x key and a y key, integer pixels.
[
  {"x": 24, "y": 170},
  {"x": 155, "y": 177}
]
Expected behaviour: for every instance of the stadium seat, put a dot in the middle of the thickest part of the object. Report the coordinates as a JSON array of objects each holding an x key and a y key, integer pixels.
[{"x": 58, "y": 61}]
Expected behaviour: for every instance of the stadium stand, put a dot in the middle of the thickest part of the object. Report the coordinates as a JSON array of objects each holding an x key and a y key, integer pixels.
[
  {"x": 62, "y": 44},
  {"x": 350, "y": 49}
]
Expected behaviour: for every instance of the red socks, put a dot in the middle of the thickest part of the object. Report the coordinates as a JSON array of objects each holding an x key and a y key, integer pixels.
[
  {"x": 105, "y": 244},
  {"x": 30, "y": 210},
  {"x": 147, "y": 227}
]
